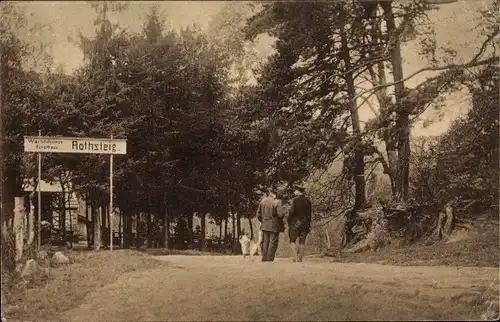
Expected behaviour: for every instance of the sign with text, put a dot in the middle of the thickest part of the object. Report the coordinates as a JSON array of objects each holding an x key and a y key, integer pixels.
[{"x": 74, "y": 145}]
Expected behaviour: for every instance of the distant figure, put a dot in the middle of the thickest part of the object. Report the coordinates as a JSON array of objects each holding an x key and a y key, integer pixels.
[
  {"x": 299, "y": 223},
  {"x": 271, "y": 217},
  {"x": 260, "y": 239}
]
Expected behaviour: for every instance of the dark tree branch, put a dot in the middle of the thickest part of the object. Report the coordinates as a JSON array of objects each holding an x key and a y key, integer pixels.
[
  {"x": 472, "y": 63},
  {"x": 343, "y": 74}
]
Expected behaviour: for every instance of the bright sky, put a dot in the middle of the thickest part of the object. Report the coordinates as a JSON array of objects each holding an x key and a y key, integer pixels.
[{"x": 455, "y": 25}]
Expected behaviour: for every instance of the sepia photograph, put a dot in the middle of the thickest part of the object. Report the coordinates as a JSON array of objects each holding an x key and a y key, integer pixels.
[{"x": 301, "y": 160}]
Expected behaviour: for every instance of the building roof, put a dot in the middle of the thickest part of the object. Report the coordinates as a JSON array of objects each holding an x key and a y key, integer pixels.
[{"x": 44, "y": 186}]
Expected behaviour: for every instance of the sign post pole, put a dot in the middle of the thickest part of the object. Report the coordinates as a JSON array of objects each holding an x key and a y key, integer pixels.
[
  {"x": 39, "y": 232},
  {"x": 111, "y": 201}
]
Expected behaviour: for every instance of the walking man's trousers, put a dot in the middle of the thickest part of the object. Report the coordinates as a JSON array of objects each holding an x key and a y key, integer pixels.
[{"x": 269, "y": 245}]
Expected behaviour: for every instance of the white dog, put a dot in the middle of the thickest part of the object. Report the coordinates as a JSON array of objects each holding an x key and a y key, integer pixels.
[{"x": 250, "y": 247}]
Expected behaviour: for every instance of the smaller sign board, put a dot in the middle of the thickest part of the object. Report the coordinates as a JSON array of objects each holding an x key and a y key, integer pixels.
[{"x": 56, "y": 144}]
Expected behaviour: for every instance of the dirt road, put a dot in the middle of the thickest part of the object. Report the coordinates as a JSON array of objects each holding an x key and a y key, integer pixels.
[{"x": 226, "y": 288}]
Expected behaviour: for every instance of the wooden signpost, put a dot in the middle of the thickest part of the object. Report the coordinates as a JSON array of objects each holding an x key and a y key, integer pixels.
[{"x": 53, "y": 144}]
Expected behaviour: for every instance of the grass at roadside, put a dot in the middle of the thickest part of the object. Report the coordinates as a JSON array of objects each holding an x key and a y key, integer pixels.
[
  {"x": 478, "y": 250},
  {"x": 67, "y": 285}
]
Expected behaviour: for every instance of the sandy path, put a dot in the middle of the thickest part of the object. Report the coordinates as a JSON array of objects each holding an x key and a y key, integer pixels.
[{"x": 225, "y": 288}]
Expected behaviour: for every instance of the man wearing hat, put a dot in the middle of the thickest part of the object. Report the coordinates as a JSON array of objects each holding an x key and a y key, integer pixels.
[{"x": 299, "y": 223}]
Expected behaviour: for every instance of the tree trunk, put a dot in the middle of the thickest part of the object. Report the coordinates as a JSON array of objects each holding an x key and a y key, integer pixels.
[
  {"x": 4, "y": 302},
  {"x": 104, "y": 221},
  {"x": 108, "y": 217},
  {"x": 150, "y": 229},
  {"x": 62, "y": 215},
  {"x": 19, "y": 227},
  {"x": 404, "y": 152},
  {"x": 67, "y": 210},
  {"x": 96, "y": 227},
  {"x": 390, "y": 168},
  {"x": 9, "y": 174},
  {"x": 105, "y": 225},
  {"x": 130, "y": 224},
  {"x": 102, "y": 212},
  {"x": 125, "y": 242},
  {"x": 71, "y": 228},
  {"x": 190, "y": 216},
  {"x": 120, "y": 228},
  {"x": 167, "y": 231},
  {"x": 359, "y": 159},
  {"x": 156, "y": 233},
  {"x": 88, "y": 222},
  {"x": 203, "y": 231},
  {"x": 392, "y": 159},
  {"x": 6, "y": 191},
  {"x": 238, "y": 225},
  {"x": 90, "y": 229},
  {"x": 127, "y": 227},
  {"x": 62, "y": 209},
  {"x": 402, "y": 118},
  {"x": 225, "y": 228},
  {"x": 233, "y": 224},
  {"x": 251, "y": 227},
  {"x": 384, "y": 101},
  {"x": 220, "y": 233},
  {"x": 32, "y": 222},
  {"x": 138, "y": 235},
  {"x": 7, "y": 213},
  {"x": 31, "y": 226}
]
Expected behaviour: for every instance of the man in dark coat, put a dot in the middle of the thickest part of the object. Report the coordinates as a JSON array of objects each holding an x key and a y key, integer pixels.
[
  {"x": 270, "y": 214},
  {"x": 299, "y": 223}
]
